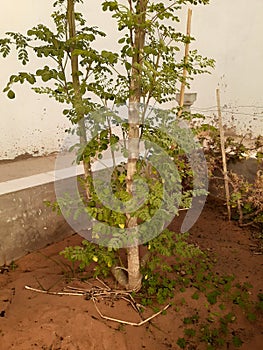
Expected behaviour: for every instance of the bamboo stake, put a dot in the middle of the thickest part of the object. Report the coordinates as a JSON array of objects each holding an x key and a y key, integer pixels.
[
  {"x": 223, "y": 152},
  {"x": 186, "y": 55}
]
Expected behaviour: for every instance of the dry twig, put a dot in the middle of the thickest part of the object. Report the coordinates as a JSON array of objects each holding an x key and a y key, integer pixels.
[
  {"x": 137, "y": 324},
  {"x": 52, "y": 293},
  {"x": 96, "y": 292}
]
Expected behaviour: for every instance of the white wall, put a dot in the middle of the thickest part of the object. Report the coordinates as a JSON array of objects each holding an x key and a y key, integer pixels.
[
  {"x": 229, "y": 31},
  {"x": 31, "y": 123}
]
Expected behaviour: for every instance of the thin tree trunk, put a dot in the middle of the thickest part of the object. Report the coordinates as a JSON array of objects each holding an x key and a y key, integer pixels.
[
  {"x": 77, "y": 101},
  {"x": 134, "y": 274}
]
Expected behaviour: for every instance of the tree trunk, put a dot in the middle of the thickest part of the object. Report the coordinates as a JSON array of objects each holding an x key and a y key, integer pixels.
[
  {"x": 134, "y": 274},
  {"x": 77, "y": 99}
]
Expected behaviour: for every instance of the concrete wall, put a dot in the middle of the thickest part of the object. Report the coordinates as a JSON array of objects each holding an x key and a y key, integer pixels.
[
  {"x": 229, "y": 31},
  {"x": 26, "y": 224}
]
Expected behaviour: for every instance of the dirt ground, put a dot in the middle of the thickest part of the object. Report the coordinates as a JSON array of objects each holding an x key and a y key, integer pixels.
[{"x": 32, "y": 320}]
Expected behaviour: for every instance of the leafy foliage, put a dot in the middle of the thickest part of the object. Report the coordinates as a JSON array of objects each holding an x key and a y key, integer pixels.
[
  {"x": 55, "y": 46},
  {"x": 90, "y": 253},
  {"x": 106, "y": 77},
  {"x": 160, "y": 70}
]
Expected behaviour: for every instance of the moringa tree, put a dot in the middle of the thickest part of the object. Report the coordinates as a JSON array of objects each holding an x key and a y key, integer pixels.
[
  {"x": 146, "y": 70},
  {"x": 149, "y": 54}
]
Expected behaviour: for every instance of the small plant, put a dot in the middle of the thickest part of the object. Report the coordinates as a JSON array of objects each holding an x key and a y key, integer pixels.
[
  {"x": 11, "y": 267},
  {"x": 212, "y": 296},
  {"x": 88, "y": 254},
  {"x": 259, "y": 304},
  {"x": 195, "y": 296},
  {"x": 181, "y": 342},
  {"x": 191, "y": 320},
  {"x": 246, "y": 198},
  {"x": 213, "y": 337},
  {"x": 237, "y": 342}
]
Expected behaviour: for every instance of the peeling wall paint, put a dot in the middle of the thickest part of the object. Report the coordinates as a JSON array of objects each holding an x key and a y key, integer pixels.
[{"x": 229, "y": 31}]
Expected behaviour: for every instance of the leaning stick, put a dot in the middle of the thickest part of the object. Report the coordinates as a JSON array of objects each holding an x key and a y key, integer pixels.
[
  {"x": 186, "y": 55},
  {"x": 223, "y": 152}
]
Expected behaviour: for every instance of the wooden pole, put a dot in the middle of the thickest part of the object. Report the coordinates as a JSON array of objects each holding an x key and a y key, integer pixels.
[
  {"x": 223, "y": 152},
  {"x": 186, "y": 54}
]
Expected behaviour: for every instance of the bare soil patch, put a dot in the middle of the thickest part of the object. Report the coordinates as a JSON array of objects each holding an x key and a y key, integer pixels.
[{"x": 31, "y": 320}]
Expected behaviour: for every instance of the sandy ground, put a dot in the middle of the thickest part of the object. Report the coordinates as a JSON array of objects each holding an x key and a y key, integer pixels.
[{"x": 31, "y": 320}]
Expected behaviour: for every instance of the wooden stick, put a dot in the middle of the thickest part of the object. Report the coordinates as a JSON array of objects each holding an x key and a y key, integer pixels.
[
  {"x": 223, "y": 152},
  {"x": 104, "y": 294},
  {"x": 137, "y": 324},
  {"x": 186, "y": 54},
  {"x": 53, "y": 293}
]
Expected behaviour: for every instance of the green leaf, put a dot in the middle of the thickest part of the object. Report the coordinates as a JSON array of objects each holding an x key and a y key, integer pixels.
[
  {"x": 122, "y": 40},
  {"x": 237, "y": 341},
  {"x": 30, "y": 78},
  {"x": 181, "y": 342},
  {"x": 11, "y": 94},
  {"x": 128, "y": 65},
  {"x": 111, "y": 57},
  {"x": 212, "y": 297},
  {"x": 195, "y": 296},
  {"x": 111, "y": 5}
]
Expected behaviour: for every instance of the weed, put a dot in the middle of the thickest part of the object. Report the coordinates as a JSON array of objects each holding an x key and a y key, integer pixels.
[
  {"x": 191, "y": 320},
  {"x": 13, "y": 266},
  {"x": 190, "y": 332},
  {"x": 195, "y": 296},
  {"x": 181, "y": 342},
  {"x": 237, "y": 342},
  {"x": 212, "y": 296},
  {"x": 259, "y": 304}
]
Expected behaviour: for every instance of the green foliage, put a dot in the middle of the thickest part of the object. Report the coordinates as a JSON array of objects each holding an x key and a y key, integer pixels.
[
  {"x": 195, "y": 296},
  {"x": 55, "y": 46},
  {"x": 191, "y": 320},
  {"x": 214, "y": 337},
  {"x": 159, "y": 281},
  {"x": 212, "y": 297},
  {"x": 181, "y": 342},
  {"x": 160, "y": 70},
  {"x": 237, "y": 342},
  {"x": 88, "y": 254},
  {"x": 190, "y": 332},
  {"x": 217, "y": 330},
  {"x": 259, "y": 304},
  {"x": 100, "y": 78}
]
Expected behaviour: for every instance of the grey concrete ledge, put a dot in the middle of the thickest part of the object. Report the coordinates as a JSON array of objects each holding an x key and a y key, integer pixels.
[
  {"x": 26, "y": 223},
  {"x": 37, "y": 180}
]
